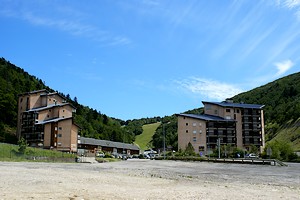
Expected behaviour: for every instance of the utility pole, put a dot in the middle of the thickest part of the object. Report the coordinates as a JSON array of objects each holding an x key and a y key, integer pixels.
[
  {"x": 219, "y": 149},
  {"x": 164, "y": 141},
  {"x": 164, "y": 135}
]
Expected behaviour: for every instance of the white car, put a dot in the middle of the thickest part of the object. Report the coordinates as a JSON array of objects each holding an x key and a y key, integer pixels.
[{"x": 251, "y": 155}]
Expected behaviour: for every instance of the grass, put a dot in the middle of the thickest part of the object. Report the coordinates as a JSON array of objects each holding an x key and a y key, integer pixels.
[
  {"x": 145, "y": 138},
  {"x": 102, "y": 160},
  {"x": 290, "y": 134},
  {"x": 9, "y": 152}
]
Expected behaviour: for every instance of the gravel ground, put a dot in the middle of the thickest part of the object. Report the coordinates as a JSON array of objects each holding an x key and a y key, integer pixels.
[{"x": 148, "y": 179}]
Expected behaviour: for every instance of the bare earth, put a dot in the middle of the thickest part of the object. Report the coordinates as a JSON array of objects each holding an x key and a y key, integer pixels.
[{"x": 148, "y": 179}]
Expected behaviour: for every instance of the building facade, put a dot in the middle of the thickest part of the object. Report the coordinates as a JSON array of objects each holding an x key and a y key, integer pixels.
[
  {"x": 45, "y": 120},
  {"x": 90, "y": 146},
  {"x": 236, "y": 124}
]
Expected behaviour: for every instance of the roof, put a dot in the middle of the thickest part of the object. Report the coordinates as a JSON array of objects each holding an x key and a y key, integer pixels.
[
  {"x": 53, "y": 120},
  {"x": 107, "y": 143},
  {"x": 235, "y": 105},
  {"x": 207, "y": 117},
  {"x": 54, "y": 93},
  {"x": 34, "y": 92},
  {"x": 49, "y": 106}
]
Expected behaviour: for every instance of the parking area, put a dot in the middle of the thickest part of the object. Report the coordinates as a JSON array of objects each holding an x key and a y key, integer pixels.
[{"x": 148, "y": 179}]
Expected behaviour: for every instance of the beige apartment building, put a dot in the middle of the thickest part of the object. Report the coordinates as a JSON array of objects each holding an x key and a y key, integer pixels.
[
  {"x": 45, "y": 120},
  {"x": 237, "y": 124}
]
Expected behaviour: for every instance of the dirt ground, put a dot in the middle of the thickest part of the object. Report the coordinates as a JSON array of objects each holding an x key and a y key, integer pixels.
[{"x": 148, "y": 179}]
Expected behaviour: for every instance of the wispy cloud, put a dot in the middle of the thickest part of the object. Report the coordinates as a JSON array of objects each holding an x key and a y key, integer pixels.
[
  {"x": 71, "y": 25},
  {"x": 283, "y": 67},
  {"x": 291, "y": 5},
  {"x": 209, "y": 88}
]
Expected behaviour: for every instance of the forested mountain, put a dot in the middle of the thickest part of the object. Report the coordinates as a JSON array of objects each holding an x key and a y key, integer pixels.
[
  {"x": 14, "y": 80},
  {"x": 282, "y": 112},
  {"x": 281, "y": 99},
  {"x": 282, "y": 108}
]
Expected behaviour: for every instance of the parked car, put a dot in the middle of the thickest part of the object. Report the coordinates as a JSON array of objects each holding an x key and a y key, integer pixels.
[
  {"x": 100, "y": 154},
  {"x": 251, "y": 155}
]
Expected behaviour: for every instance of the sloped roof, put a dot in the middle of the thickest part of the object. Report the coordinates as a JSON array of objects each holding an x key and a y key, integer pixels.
[
  {"x": 44, "y": 91},
  {"x": 235, "y": 105},
  {"x": 53, "y": 120},
  {"x": 49, "y": 107},
  {"x": 106, "y": 143},
  {"x": 206, "y": 117}
]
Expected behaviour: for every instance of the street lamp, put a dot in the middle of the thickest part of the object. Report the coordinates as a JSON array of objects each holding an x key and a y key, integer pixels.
[{"x": 164, "y": 134}]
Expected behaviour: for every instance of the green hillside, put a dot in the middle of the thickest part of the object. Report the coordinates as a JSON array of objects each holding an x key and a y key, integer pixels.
[
  {"x": 14, "y": 80},
  {"x": 290, "y": 133},
  {"x": 144, "y": 140},
  {"x": 282, "y": 108},
  {"x": 280, "y": 97}
]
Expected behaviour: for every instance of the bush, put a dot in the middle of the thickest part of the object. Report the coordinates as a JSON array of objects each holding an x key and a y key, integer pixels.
[
  {"x": 281, "y": 150},
  {"x": 189, "y": 150},
  {"x": 22, "y": 145}
]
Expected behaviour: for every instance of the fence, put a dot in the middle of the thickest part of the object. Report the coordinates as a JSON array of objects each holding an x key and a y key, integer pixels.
[{"x": 10, "y": 152}]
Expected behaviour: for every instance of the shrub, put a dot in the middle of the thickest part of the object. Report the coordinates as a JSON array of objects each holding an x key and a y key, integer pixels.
[{"x": 22, "y": 145}]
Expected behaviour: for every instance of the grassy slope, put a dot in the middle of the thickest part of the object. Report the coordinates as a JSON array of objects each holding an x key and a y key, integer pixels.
[
  {"x": 144, "y": 139},
  {"x": 9, "y": 152},
  {"x": 290, "y": 133}
]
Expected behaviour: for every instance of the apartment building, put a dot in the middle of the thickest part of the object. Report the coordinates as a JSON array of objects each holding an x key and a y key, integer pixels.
[
  {"x": 45, "y": 120},
  {"x": 237, "y": 124}
]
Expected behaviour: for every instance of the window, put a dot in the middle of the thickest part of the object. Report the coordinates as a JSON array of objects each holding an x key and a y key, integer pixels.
[
  {"x": 200, "y": 131},
  {"x": 216, "y": 112},
  {"x": 63, "y": 110},
  {"x": 201, "y": 148},
  {"x": 194, "y": 139},
  {"x": 194, "y": 131},
  {"x": 186, "y": 124},
  {"x": 60, "y": 128},
  {"x": 194, "y": 124},
  {"x": 59, "y": 135},
  {"x": 207, "y": 107},
  {"x": 186, "y": 131},
  {"x": 200, "y": 124},
  {"x": 227, "y": 110},
  {"x": 227, "y": 117},
  {"x": 21, "y": 99}
]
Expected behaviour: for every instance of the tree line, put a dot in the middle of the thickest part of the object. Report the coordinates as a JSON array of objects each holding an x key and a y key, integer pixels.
[{"x": 14, "y": 81}]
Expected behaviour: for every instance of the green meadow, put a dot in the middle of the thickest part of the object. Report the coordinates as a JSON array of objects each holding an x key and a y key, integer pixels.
[
  {"x": 144, "y": 140},
  {"x": 9, "y": 152}
]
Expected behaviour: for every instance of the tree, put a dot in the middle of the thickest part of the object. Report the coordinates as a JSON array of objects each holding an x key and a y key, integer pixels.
[
  {"x": 189, "y": 150},
  {"x": 22, "y": 145},
  {"x": 281, "y": 150}
]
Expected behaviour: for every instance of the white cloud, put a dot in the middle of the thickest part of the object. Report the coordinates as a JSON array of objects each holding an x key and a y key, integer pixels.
[
  {"x": 291, "y": 3},
  {"x": 70, "y": 25},
  {"x": 209, "y": 88},
  {"x": 283, "y": 66}
]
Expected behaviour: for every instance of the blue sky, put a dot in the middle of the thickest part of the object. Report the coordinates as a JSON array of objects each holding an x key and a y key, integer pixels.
[{"x": 143, "y": 58}]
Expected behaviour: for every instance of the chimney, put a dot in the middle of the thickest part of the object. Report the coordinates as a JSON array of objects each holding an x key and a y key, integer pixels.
[{"x": 229, "y": 100}]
